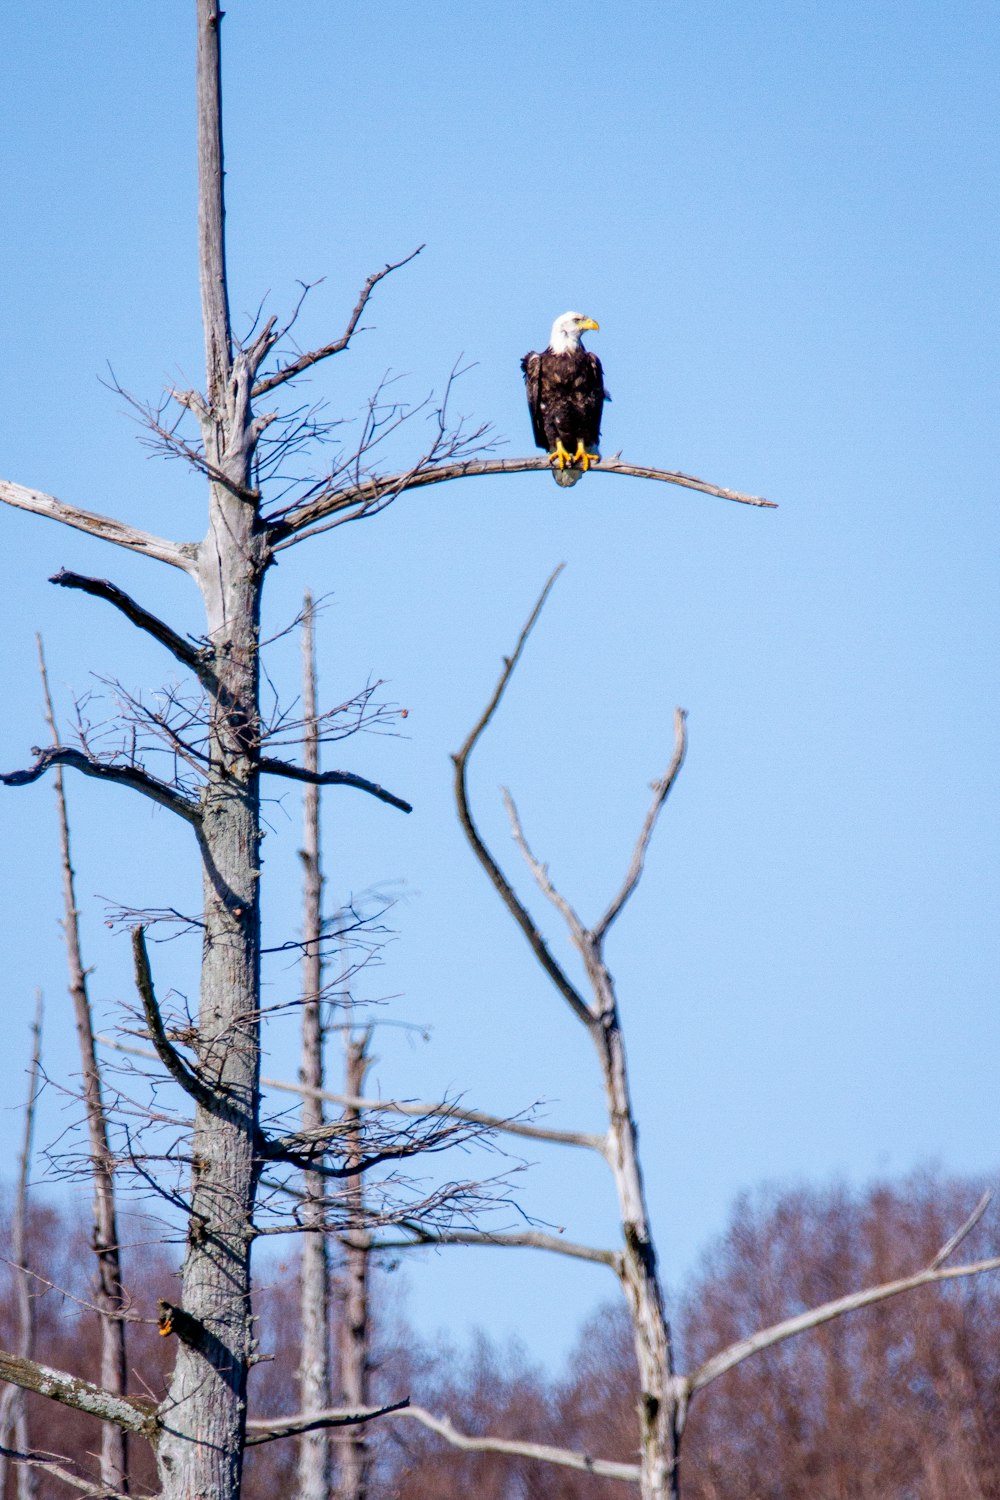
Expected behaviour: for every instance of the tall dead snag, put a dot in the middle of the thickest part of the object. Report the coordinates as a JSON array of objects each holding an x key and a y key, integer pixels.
[
  {"x": 109, "y": 1294},
  {"x": 222, "y": 750},
  {"x": 314, "y": 1361},
  {"x": 13, "y": 1417},
  {"x": 355, "y": 1362},
  {"x": 665, "y": 1394}
]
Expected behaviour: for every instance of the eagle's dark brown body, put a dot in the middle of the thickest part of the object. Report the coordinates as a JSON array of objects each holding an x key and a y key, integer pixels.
[{"x": 565, "y": 397}]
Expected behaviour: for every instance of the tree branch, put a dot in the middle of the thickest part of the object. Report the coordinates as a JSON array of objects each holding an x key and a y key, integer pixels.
[
  {"x": 331, "y": 778},
  {"x": 661, "y": 791},
  {"x": 412, "y": 1108},
  {"x": 566, "y": 1457},
  {"x": 130, "y": 776},
  {"x": 500, "y": 882},
  {"x": 51, "y": 1466},
  {"x": 180, "y": 1071},
  {"x": 134, "y": 1413},
  {"x": 952, "y": 1244},
  {"x": 527, "y": 1239},
  {"x": 102, "y": 588},
  {"x": 288, "y": 372},
  {"x": 825, "y": 1313},
  {"x": 375, "y": 489},
  {"x": 178, "y": 554},
  {"x": 267, "y": 1429}
]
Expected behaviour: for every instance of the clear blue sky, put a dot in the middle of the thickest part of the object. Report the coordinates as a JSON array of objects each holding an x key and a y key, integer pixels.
[{"x": 785, "y": 219}]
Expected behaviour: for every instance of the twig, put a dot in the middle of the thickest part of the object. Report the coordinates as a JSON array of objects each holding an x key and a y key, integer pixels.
[
  {"x": 951, "y": 1245},
  {"x": 527, "y": 1239},
  {"x": 416, "y": 1109},
  {"x": 661, "y": 791},
  {"x": 288, "y": 372},
  {"x": 51, "y": 1466},
  {"x": 500, "y": 882}
]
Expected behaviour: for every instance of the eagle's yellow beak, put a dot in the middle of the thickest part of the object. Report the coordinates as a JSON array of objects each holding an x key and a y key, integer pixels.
[{"x": 586, "y": 323}]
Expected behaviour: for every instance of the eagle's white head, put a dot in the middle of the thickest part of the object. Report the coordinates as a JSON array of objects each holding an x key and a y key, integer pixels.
[{"x": 566, "y": 331}]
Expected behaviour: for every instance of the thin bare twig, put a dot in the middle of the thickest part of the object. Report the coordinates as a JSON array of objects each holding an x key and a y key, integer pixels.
[
  {"x": 527, "y": 1239},
  {"x": 951, "y": 1245},
  {"x": 59, "y": 1471},
  {"x": 414, "y": 1108},
  {"x": 180, "y": 1071},
  {"x": 521, "y": 916},
  {"x": 661, "y": 791},
  {"x": 289, "y": 371}
]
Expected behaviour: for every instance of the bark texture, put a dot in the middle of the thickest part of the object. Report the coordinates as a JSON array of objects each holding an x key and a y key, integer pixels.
[{"x": 314, "y": 1363}]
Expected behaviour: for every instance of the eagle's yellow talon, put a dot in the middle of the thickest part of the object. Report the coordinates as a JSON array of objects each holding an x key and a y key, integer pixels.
[{"x": 561, "y": 455}]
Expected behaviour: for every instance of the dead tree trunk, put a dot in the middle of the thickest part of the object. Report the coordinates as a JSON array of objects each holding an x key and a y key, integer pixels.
[
  {"x": 109, "y": 1294},
  {"x": 314, "y": 1363},
  {"x": 13, "y": 1413},
  {"x": 355, "y": 1360}
]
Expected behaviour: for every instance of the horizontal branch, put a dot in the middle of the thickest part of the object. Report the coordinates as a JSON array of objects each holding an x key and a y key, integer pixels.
[
  {"x": 130, "y": 776},
  {"x": 375, "y": 489},
  {"x": 567, "y": 1458},
  {"x": 134, "y": 1413},
  {"x": 789, "y": 1327},
  {"x": 269, "y": 1429},
  {"x": 410, "y": 1108},
  {"x": 102, "y": 588},
  {"x": 527, "y": 1239},
  {"x": 289, "y": 372},
  {"x": 179, "y": 554},
  {"x": 331, "y": 778}
]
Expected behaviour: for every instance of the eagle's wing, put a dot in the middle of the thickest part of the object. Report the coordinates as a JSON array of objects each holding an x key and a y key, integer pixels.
[
  {"x": 531, "y": 364},
  {"x": 598, "y": 376}
]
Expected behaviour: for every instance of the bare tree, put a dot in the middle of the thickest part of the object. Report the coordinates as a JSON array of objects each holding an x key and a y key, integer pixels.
[
  {"x": 665, "y": 1393},
  {"x": 13, "y": 1417},
  {"x": 109, "y": 1294},
  {"x": 222, "y": 746},
  {"x": 314, "y": 1362}
]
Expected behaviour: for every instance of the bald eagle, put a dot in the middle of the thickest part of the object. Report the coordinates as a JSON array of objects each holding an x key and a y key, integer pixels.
[{"x": 566, "y": 394}]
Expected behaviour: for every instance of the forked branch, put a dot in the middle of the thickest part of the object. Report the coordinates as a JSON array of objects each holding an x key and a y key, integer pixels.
[
  {"x": 736, "y": 1353},
  {"x": 526, "y": 1239}
]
